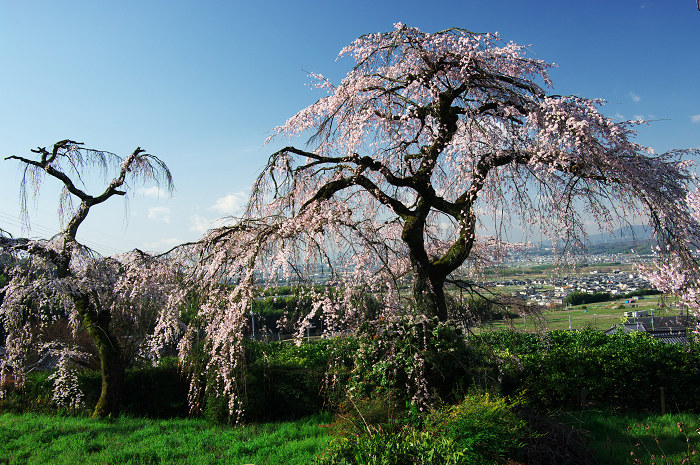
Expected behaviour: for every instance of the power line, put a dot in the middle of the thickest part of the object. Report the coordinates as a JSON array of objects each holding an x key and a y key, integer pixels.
[{"x": 49, "y": 232}]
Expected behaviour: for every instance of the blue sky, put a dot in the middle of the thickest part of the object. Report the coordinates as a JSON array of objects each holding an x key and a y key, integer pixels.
[{"x": 201, "y": 84}]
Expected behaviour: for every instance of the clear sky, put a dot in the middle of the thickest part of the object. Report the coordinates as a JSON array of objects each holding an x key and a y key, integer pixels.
[{"x": 201, "y": 84}]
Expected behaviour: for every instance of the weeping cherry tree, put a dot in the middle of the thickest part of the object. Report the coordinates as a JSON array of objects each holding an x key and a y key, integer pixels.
[
  {"x": 61, "y": 279},
  {"x": 428, "y": 138}
]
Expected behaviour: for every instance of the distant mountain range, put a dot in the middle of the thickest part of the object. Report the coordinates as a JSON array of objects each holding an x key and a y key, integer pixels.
[
  {"x": 622, "y": 240},
  {"x": 634, "y": 233}
]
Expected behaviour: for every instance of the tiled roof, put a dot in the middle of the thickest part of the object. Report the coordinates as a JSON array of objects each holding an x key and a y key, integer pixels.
[
  {"x": 46, "y": 362},
  {"x": 666, "y": 329}
]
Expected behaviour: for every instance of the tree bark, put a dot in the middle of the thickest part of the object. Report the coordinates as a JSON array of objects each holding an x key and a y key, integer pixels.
[
  {"x": 429, "y": 293},
  {"x": 428, "y": 281},
  {"x": 111, "y": 363},
  {"x": 109, "y": 403},
  {"x": 430, "y": 274}
]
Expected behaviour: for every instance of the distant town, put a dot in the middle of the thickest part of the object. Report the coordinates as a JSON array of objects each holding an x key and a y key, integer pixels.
[
  {"x": 541, "y": 276},
  {"x": 552, "y": 291}
]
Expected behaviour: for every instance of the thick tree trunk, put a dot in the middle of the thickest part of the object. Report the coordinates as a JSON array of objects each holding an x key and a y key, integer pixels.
[
  {"x": 428, "y": 281},
  {"x": 111, "y": 363},
  {"x": 112, "y": 369},
  {"x": 429, "y": 293}
]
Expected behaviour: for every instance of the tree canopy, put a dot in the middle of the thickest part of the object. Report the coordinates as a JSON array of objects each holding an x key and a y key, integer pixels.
[{"x": 428, "y": 135}]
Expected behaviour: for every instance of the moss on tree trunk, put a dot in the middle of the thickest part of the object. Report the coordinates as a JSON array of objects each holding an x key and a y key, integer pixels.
[
  {"x": 429, "y": 293},
  {"x": 111, "y": 363}
]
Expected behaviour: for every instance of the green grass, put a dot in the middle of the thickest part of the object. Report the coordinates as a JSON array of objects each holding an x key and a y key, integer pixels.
[
  {"x": 42, "y": 439},
  {"x": 653, "y": 439},
  {"x": 601, "y": 316}
]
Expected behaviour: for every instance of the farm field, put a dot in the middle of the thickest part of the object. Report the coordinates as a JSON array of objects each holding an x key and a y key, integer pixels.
[
  {"x": 604, "y": 315},
  {"x": 599, "y": 316}
]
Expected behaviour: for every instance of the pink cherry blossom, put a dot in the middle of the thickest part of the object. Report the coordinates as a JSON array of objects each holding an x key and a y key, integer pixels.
[{"x": 426, "y": 137}]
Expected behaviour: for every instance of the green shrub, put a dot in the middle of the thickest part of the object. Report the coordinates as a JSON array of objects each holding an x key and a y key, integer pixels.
[
  {"x": 478, "y": 430},
  {"x": 154, "y": 392},
  {"x": 425, "y": 362},
  {"x": 561, "y": 368},
  {"x": 151, "y": 392},
  {"x": 34, "y": 397},
  {"x": 284, "y": 381}
]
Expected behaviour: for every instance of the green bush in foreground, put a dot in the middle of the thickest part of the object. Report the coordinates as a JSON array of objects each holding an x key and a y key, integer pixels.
[
  {"x": 154, "y": 392},
  {"x": 478, "y": 430},
  {"x": 554, "y": 370},
  {"x": 421, "y": 362}
]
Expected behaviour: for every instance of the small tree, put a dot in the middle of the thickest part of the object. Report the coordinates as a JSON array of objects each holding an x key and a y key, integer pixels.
[
  {"x": 426, "y": 137},
  {"x": 59, "y": 278}
]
